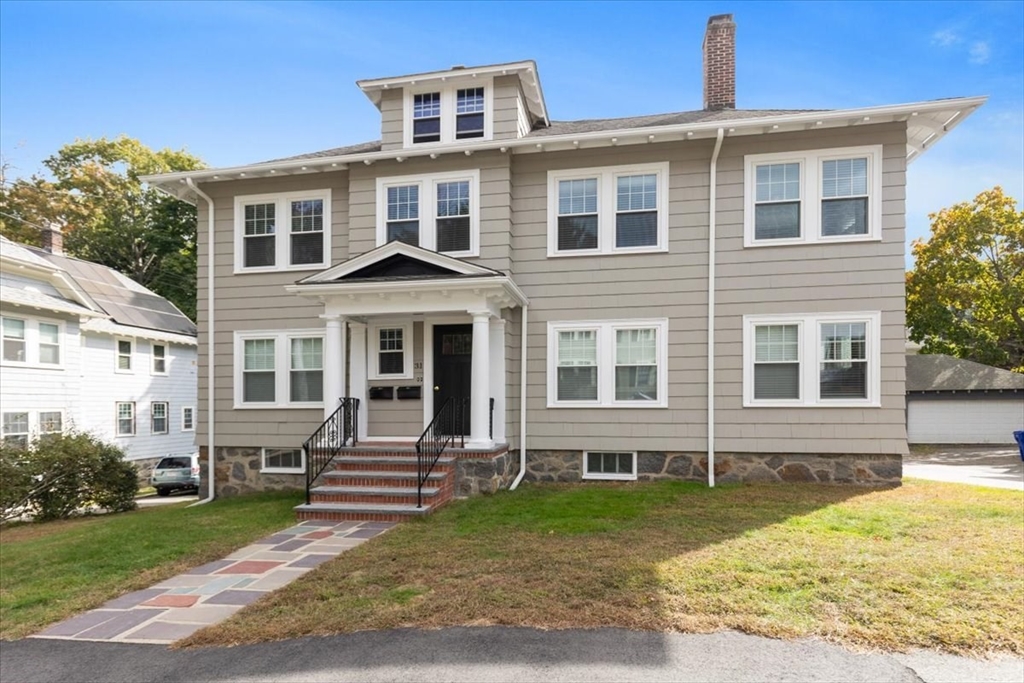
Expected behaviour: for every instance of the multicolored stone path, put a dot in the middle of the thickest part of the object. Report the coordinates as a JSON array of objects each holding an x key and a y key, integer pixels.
[{"x": 178, "y": 607}]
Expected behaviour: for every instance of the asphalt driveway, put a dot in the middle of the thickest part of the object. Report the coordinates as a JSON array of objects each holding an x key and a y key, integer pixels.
[
  {"x": 486, "y": 655},
  {"x": 997, "y": 466}
]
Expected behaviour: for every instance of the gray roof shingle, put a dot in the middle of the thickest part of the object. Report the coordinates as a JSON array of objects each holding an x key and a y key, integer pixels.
[{"x": 937, "y": 372}]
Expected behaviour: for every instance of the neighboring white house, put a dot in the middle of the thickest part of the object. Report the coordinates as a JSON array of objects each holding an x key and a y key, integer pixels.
[{"x": 84, "y": 346}]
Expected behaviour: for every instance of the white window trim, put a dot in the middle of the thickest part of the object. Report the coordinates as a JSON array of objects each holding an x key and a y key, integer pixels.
[
  {"x": 608, "y": 477},
  {"x": 282, "y": 250},
  {"x": 117, "y": 419},
  {"x": 193, "y": 427},
  {"x": 606, "y": 362},
  {"x": 37, "y": 416},
  {"x": 449, "y": 99},
  {"x": 281, "y": 470},
  {"x": 428, "y": 207},
  {"x": 32, "y": 341},
  {"x": 167, "y": 417},
  {"x": 282, "y": 367},
  {"x": 606, "y": 204},
  {"x": 153, "y": 359},
  {"x": 407, "y": 348},
  {"x": 117, "y": 356},
  {"x": 28, "y": 433},
  {"x": 810, "y": 194},
  {"x": 809, "y": 326}
]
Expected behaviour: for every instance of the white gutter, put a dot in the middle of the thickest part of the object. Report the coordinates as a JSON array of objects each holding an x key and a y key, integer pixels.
[
  {"x": 712, "y": 197},
  {"x": 522, "y": 400},
  {"x": 210, "y": 454}
]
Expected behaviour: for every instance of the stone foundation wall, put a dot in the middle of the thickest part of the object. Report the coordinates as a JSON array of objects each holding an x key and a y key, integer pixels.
[
  {"x": 871, "y": 470},
  {"x": 485, "y": 475},
  {"x": 237, "y": 471}
]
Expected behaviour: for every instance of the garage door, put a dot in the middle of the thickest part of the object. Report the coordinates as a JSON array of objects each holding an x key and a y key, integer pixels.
[{"x": 974, "y": 421}]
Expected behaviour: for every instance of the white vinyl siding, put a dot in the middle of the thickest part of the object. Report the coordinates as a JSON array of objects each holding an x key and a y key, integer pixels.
[
  {"x": 606, "y": 364},
  {"x": 827, "y": 195},
  {"x": 286, "y": 231},
  {"x": 612, "y": 210},
  {"x": 279, "y": 369},
  {"x": 821, "y": 360},
  {"x": 439, "y": 212}
]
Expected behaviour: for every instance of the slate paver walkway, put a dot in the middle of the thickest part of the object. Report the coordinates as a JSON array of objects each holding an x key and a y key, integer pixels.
[{"x": 181, "y": 605}]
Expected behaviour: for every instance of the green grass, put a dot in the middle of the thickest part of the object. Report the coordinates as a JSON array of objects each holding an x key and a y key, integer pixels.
[
  {"x": 924, "y": 565},
  {"x": 50, "y": 571}
]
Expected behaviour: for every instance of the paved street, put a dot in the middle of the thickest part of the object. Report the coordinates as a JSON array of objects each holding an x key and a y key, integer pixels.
[
  {"x": 998, "y": 466},
  {"x": 483, "y": 655}
]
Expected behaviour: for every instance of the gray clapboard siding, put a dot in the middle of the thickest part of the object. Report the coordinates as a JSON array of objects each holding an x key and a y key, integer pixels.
[{"x": 392, "y": 110}]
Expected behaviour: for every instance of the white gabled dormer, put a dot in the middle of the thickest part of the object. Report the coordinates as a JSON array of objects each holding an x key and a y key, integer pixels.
[{"x": 501, "y": 101}]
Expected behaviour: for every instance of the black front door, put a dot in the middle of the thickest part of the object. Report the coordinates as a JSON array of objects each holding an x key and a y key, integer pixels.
[{"x": 453, "y": 367}]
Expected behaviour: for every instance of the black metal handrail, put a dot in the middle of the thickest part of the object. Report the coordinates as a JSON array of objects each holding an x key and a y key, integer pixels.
[
  {"x": 435, "y": 438},
  {"x": 339, "y": 430}
]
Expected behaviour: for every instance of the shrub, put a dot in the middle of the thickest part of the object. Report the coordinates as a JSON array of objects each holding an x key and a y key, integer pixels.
[
  {"x": 16, "y": 481},
  {"x": 66, "y": 473}
]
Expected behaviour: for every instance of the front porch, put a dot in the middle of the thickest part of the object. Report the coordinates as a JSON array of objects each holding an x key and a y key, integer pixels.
[{"x": 415, "y": 354}]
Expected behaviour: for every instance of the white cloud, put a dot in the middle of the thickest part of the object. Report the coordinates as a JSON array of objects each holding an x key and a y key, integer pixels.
[
  {"x": 980, "y": 52},
  {"x": 945, "y": 38}
]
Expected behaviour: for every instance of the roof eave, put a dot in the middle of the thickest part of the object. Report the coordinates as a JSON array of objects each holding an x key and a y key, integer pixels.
[{"x": 958, "y": 108}]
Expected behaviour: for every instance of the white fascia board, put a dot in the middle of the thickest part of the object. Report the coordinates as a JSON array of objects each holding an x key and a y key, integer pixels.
[
  {"x": 403, "y": 286},
  {"x": 392, "y": 249},
  {"x": 706, "y": 129},
  {"x": 109, "y": 327}
]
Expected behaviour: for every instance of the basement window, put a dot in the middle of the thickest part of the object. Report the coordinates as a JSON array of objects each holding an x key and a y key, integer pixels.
[{"x": 612, "y": 465}]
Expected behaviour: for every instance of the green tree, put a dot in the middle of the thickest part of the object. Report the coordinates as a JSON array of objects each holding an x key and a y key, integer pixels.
[
  {"x": 109, "y": 216},
  {"x": 965, "y": 295}
]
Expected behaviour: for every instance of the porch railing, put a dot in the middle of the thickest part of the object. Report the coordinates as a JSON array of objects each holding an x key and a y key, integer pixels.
[
  {"x": 441, "y": 431},
  {"x": 339, "y": 430}
]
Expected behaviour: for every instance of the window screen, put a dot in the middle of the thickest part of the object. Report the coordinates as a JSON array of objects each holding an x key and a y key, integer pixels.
[
  {"x": 577, "y": 365},
  {"x": 403, "y": 217},
  {"x": 844, "y": 197},
  {"x": 577, "y": 214},
  {"x": 843, "y": 363},
  {"x": 777, "y": 201},
  {"x": 453, "y": 216},
  {"x": 777, "y": 362},
  {"x": 636, "y": 211}
]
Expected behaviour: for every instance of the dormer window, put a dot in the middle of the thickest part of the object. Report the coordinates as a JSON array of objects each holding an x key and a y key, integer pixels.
[
  {"x": 426, "y": 117},
  {"x": 469, "y": 113},
  {"x": 449, "y": 113}
]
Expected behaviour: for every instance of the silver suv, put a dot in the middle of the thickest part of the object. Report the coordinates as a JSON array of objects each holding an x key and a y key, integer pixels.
[{"x": 176, "y": 472}]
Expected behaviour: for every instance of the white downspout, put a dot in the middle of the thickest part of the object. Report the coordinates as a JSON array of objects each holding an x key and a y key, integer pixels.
[
  {"x": 522, "y": 400},
  {"x": 209, "y": 343},
  {"x": 712, "y": 196}
]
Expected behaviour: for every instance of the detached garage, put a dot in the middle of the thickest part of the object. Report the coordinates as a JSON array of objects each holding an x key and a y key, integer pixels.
[{"x": 956, "y": 401}]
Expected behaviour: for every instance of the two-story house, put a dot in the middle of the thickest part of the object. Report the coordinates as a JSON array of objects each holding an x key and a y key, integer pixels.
[
  {"x": 86, "y": 347},
  {"x": 711, "y": 295}
]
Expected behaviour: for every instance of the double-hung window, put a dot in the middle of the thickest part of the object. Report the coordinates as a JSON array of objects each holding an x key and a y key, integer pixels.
[
  {"x": 31, "y": 342},
  {"x": 605, "y": 364},
  {"x": 449, "y": 113},
  {"x": 279, "y": 369},
  {"x": 288, "y": 231},
  {"x": 15, "y": 426},
  {"x": 828, "y": 359},
  {"x": 832, "y": 195},
  {"x": 391, "y": 351},
  {"x": 159, "y": 358},
  {"x": 125, "y": 415},
  {"x": 188, "y": 418},
  {"x": 51, "y": 422},
  {"x": 440, "y": 212},
  {"x": 608, "y": 210},
  {"x": 158, "y": 417},
  {"x": 125, "y": 351}
]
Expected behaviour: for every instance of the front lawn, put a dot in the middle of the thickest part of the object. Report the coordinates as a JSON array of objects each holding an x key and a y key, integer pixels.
[
  {"x": 50, "y": 571},
  {"x": 925, "y": 565}
]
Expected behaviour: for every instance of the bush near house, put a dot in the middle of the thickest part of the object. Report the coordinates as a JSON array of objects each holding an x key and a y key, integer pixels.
[{"x": 62, "y": 474}]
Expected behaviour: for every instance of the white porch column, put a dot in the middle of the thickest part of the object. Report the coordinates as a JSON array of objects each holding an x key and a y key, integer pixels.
[
  {"x": 334, "y": 363},
  {"x": 498, "y": 377},
  {"x": 357, "y": 373},
  {"x": 481, "y": 381}
]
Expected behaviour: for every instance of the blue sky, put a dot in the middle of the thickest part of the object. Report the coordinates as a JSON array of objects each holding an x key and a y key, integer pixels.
[{"x": 236, "y": 82}]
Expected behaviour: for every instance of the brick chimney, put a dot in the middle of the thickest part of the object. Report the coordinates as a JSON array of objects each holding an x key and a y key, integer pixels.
[
  {"x": 53, "y": 239},
  {"x": 720, "y": 63}
]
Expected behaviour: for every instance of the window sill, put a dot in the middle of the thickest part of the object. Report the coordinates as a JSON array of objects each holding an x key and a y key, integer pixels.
[
  {"x": 609, "y": 477},
  {"x": 159, "y": 433},
  {"x": 188, "y": 430},
  {"x": 641, "y": 406},
  {"x": 31, "y": 366},
  {"x": 388, "y": 378},
  {"x": 830, "y": 404},
  {"x": 123, "y": 436},
  {"x": 124, "y": 372},
  {"x": 281, "y": 470},
  {"x": 614, "y": 252},
  {"x": 280, "y": 269},
  {"x": 810, "y": 242},
  {"x": 278, "y": 406}
]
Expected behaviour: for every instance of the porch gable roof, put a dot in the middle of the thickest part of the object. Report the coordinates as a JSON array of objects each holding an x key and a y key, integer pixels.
[{"x": 398, "y": 260}]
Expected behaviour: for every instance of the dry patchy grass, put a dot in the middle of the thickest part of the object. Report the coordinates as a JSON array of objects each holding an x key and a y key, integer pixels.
[{"x": 925, "y": 565}]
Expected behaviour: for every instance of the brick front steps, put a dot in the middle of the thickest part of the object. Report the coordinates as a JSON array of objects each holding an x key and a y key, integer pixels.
[{"x": 377, "y": 484}]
